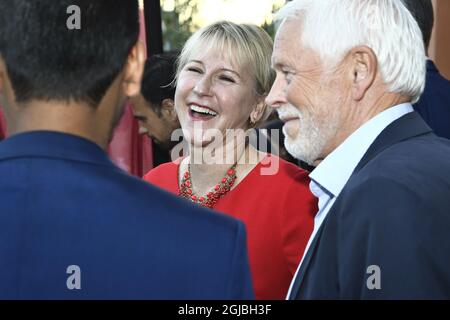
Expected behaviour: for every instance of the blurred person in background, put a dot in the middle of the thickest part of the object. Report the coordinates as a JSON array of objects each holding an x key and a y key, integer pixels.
[
  {"x": 154, "y": 106},
  {"x": 434, "y": 104}
]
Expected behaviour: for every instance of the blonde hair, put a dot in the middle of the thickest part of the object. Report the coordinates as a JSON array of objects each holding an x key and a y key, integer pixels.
[{"x": 248, "y": 46}]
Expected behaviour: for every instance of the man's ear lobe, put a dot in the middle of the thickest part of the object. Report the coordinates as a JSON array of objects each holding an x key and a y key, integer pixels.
[
  {"x": 167, "y": 104},
  {"x": 364, "y": 71},
  {"x": 134, "y": 70},
  {"x": 168, "y": 107}
]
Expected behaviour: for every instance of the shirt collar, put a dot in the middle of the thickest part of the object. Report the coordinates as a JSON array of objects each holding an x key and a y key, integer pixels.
[{"x": 334, "y": 171}]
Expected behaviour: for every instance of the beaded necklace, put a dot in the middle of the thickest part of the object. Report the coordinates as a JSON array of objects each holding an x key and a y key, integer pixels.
[{"x": 211, "y": 198}]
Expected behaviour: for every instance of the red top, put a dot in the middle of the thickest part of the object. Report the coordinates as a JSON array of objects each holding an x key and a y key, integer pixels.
[{"x": 278, "y": 211}]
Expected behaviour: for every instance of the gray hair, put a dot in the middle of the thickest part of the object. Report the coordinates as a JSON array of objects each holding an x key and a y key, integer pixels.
[{"x": 333, "y": 27}]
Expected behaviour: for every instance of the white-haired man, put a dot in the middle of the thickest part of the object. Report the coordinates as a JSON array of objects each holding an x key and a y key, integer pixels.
[{"x": 347, "y": 73}]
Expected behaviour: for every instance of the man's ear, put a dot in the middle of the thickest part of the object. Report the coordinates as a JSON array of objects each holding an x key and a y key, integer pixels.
[
  {"x": 134, "y": 70},
  {"x": 168, "y": 108},
  {"x": 364, "y": 69}
]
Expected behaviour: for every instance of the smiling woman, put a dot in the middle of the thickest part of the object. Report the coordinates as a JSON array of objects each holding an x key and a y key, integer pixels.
[{"x": 223, "y": 77}]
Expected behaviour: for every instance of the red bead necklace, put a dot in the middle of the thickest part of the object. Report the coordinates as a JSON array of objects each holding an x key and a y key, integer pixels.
[{"x": 211, "y": 198}]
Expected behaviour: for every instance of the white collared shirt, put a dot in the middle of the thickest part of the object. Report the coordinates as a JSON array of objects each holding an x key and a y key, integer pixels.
[{"x": 332, "y": 174}]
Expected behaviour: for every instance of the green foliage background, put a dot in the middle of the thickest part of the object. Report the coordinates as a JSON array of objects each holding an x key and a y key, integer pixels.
[{"x": 178, "y": 25}]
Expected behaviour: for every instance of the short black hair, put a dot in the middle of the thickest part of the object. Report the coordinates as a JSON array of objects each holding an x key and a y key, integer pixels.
[
  {"x": 422, "y": 11},
  {"x": 158, "y": 81},
  {"x": 47, "y": 61}
]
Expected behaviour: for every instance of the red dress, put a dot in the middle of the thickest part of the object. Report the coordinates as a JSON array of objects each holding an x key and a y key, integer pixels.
[{"x": 278, "y": 211}]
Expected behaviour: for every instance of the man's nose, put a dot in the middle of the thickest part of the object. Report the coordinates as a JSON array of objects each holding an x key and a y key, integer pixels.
[{"x": 277, "y": 96}]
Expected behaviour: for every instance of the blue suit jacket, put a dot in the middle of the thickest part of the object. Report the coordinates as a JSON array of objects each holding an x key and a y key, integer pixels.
[
  {"x": 393, "y": 213},
  {"x": 64, "y": 203},
  {"x": 434, "y": 105}
]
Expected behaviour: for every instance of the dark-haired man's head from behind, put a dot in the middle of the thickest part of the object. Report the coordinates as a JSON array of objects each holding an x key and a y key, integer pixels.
[
  {"x": 422, "y": 11},
  {"x": 154, "y": 107},
  {"x": 76, "y": 81}
]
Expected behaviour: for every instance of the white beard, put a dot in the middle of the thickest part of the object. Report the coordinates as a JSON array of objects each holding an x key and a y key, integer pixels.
[{"x": 311, "y": 137}]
